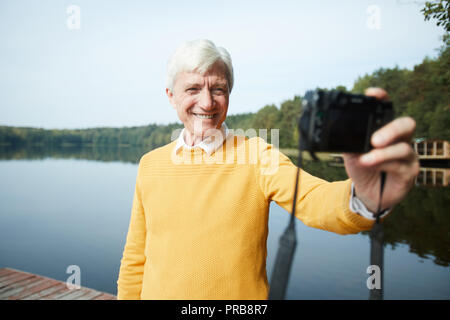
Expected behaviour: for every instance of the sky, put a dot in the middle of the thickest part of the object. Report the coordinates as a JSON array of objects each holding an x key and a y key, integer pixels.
[{"x": 84, "y": 64}]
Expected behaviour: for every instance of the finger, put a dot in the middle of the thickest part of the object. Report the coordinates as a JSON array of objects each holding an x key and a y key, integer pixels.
[
  {"x": 378, "y": 93},
  {"x": 399, "y": 151},
  {"x": 401, "y": 129},
  {"x": 404, "y": 172},
  {"x": 406, "y": 169}
]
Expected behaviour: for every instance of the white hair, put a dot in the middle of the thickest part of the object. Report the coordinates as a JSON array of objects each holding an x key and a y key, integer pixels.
[{"x": 199, "y": 56}]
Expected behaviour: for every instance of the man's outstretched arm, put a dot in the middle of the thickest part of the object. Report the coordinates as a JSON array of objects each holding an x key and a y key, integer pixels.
[{"x": 320, "y": 204}]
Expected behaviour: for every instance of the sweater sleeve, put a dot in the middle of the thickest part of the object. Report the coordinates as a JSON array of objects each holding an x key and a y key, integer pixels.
[
  {"x": 320, "y": 204},
  {"x": 129, "y": 284}
]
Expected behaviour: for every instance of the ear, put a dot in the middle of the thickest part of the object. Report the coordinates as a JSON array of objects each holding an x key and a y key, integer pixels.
[{"x": 171, "y": 97}]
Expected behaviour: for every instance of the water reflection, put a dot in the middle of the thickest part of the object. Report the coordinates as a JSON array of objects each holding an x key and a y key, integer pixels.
[
  {"x": 433, "y": 177},
  {"x": 421, "y": 221},
  {"x": 97, "y": 153}
]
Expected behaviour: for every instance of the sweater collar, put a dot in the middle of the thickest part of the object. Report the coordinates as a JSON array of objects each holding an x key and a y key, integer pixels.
[{"x": 209, "y": 144}]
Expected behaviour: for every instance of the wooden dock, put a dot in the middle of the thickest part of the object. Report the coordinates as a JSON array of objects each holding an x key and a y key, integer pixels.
[{"x": 20, "y": 285}]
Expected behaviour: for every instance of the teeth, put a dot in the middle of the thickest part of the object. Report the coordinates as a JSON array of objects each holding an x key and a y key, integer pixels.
[{"x": 204, "y": 116}]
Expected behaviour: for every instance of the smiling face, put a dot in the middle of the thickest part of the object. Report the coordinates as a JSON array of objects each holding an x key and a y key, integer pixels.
[{"x": 201, "y": 101}]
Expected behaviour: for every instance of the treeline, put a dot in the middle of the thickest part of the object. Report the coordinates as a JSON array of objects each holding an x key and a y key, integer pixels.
[
  {"x": 150, "y": 136},
  {"x": 422, "y": 93}
]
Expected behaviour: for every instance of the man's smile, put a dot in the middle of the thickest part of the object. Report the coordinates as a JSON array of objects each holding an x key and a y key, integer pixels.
[{"x": 204, "y": 116}]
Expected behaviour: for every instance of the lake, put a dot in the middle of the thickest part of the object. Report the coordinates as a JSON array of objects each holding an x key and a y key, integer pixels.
[{"x": 71, "y": 206}]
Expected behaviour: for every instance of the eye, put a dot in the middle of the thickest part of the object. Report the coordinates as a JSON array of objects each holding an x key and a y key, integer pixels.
[
  {"x": 192, "y": 90},
  {"x": 219, "y": 91}
]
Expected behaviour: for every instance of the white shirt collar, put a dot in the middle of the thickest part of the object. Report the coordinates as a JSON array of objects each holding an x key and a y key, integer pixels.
[{"x": 209, "y": 144}]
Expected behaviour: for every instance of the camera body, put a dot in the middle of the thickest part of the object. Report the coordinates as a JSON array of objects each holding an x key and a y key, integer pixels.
[{"x": 336, "y": 121}]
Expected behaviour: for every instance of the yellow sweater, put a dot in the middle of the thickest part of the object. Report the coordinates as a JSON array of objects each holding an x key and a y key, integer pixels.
[{"x": 199, "y": 223}]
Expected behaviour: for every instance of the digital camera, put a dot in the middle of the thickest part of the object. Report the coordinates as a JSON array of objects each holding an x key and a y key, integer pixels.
[{"x": 336, "y": 121}]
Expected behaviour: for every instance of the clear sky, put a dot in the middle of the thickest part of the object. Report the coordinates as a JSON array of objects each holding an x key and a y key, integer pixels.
[{"x": 111, "y": 70}]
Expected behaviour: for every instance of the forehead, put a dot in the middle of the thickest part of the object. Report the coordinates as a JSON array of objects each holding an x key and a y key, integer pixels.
[{"x": 215, "y": 75}]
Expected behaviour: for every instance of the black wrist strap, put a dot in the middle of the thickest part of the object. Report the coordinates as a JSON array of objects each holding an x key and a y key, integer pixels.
[{"x": 382, "y": 182}]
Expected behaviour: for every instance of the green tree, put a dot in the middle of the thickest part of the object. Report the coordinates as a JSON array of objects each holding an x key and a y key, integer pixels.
[
  {"x": 266, "y": 118},
  {"x": 289, "y": 114},
  {"x": 439, "y": 10}
]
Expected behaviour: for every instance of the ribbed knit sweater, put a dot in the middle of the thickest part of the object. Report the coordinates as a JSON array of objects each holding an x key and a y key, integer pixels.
[{"x": 199, "y": 223}]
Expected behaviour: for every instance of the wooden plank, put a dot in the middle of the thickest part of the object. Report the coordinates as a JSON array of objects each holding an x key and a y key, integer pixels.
[
  {"x": 12, "y": 293},
  {"x": 17, "y": 282},
  {"x": 13, "y": 278},
  {"x": 62, "y": 293},
  {"x": 90, "y": 295},
  {"x": 34, "y": 288},
  {"x": 105, "y": 296},
  {"x": 49, "y": 291},
  {"x": 10, "y": 275},
  {"x": 5, "y": 271},
  {"x": 54, "y": 296},
  {"x": 19, "y": 285},
  {"x": 76, "y": 293}
]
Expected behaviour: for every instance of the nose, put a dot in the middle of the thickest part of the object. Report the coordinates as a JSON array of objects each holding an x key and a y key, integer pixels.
[{"x": 206, "y": 100}]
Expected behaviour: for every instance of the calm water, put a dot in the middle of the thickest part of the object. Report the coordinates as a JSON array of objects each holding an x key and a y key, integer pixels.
[{"x": 72, "y": 207}]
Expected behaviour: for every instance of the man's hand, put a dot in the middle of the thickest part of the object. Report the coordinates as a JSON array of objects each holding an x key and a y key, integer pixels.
[{"x": 393, "y": 154}]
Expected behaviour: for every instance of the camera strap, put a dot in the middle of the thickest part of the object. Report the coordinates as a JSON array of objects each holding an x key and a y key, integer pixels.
[
  {"x": 382, "y": 182},
  {"x": 376, "y": 245}
]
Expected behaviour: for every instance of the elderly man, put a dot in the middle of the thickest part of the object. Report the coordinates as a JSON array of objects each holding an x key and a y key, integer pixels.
[{"x": 198, "y": 229}]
